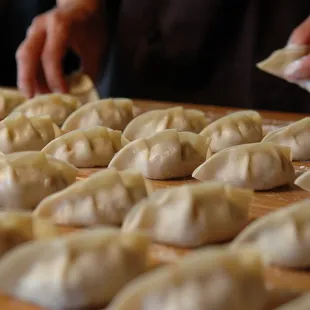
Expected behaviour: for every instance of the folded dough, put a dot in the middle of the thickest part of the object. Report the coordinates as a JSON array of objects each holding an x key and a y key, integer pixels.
[
  {"x": 112, "y": 113},
  {"x": 167, "y": 154},
  {"x": 259, "y": 166},
  {"x": 103, "y": 198},
  {"x": 82, "y": 87},
  {"x": 215, "y": 278},
  {"x": 149, "y": 123},
  {"x": 87, "y": 148},
  {"x": 300, "y": 303},
  {"x": 57, "y": 106},
  {"x": 237, "y": 128},
  {"x": 295, "y": 136},
  {"x": 82, "y": 269},
  {"x": 28, "y": 177},
  {"x": 303, "y": 181},
  {"x": 21, "y": 133},
  {"x": 9, "y": 99},
  {"x": 282, "y": 236},
  {"x": 279, "y": 60},
  {"x": 199, "y": 214}
]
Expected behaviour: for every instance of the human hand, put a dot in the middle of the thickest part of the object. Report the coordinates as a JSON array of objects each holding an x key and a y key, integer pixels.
[
  {"x": 39, "y": 57},
  {"x": 300, "y": 69}
]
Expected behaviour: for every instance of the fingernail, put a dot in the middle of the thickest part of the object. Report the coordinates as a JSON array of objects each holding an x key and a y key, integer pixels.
[{"x": 292, "y": 71}]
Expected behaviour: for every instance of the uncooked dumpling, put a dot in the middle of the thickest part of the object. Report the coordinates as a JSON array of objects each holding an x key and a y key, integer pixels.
[
  {"x": 277, "y": 63},
  {"x": 296, "y": 136},
  {"x": 112, "y": 113},
  {"x": 103, "y": 198},
  {"x": 282, "y": 236},
  {"x": 80, "y": 270},
  {"x": 87, "y": 148},
  {"x": 241, "y": 127},
  {"x": 303, "y": 181},
  {"x": 57, "y": 106},
  {"x": 300, "y": 303},
  {"x": 9, "y": 99},
  {"x": 21, "y": 133},
  {"x": 259, "y": 166},
  {"x": 28, "y": 177},
  {"x": 192, "y": 215},
  {"x": 166, "y": 155},
  {"x": 149, "y": 123},
  {"x": 82, "y": 87},
  {"x": 215, "y": 278}
]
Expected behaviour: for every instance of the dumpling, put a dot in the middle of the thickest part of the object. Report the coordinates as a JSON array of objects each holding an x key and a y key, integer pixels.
[
  {"x": 215, "y": 278},
  {"x": 82, "y": 269},
  {"x": 112, "y": 113},
  {"x": 103, "y": 198},
  {"x": 295, "y": 136},
  {"x": 278, "y": 61},
  {"x": 241, "y": 127},
  {"x": 199, "y": 214},
  {"x": 82, "y": 87},
  {"x": 282, "y": 236},
  {"x": 9, "y": 99},
  {"x": 166, "y": 155},
  {"x": 21, "y": 133},
  {"x": 149, "y": 123},
  {"x": 259, "y": 166},
  {"x": 300, "y": 303},
  {"x": 57, "y": 106},
  {"x": 303, "y": 181},
  {"x": 28, "y": 177},
  {"x": 87, "y": 148}
]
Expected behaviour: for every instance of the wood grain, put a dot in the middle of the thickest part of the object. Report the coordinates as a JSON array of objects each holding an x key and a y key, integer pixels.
[{"x": 281, "y": 280}]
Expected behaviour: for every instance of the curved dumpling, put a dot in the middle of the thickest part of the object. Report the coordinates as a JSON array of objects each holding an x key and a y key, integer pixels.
[
  {"x": 82, "y": 87},
  {"x": 303, "y": 181},
  {"x": 149, "y": 123},
  {"x": 283, "y": 236},
  {"x": 300, "y": 303},
  {"x": 28, "y": 177},
  {"x": 103, "y": 198},
  {"x": 87, "y": 148},
  {"x": 21, "y": 133},
  {"x": 82, "y": 269},
  {"x": 295, "y": 136},
  {"x": 57, "y": 106},
  {"x": 166, "y": 155},
  {"x": 9, "y": 99},
  {"x": 278, "y": 62},
  {"x": 241, "y": 127},
  {"x": 112, "y": 113},
  {"x": 199, "y": 214},
  {"x": 259, "y": 166},
  {"x": 215, "y": 278}
]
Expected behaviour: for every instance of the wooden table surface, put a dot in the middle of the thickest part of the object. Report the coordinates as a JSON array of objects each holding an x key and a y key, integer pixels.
[{"x": 282, "y": 280}]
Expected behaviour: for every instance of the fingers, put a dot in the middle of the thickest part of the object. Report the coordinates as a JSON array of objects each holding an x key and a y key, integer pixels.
[
  {"x": 299, "y": 69},
  {"x": 301, "y": 35}
]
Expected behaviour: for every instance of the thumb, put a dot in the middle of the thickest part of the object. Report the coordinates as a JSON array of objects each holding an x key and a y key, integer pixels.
[{"x": 301, "y": 34}]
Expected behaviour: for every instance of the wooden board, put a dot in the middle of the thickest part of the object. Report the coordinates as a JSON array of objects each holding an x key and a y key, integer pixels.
[{"x": 282, "y": 280}]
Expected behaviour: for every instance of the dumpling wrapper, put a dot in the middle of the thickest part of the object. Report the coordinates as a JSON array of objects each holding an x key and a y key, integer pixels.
[
  {"x": 9, "y": 100},
  {"x": 296, "y": 136},
  {"x": 282, "y": 236},
  {"x": 166, "y": 155},
  {"x": 258, "y": 166},
  {"x": 28, "y": 177},
  {"x": 87, "y": 148},
  {"x": 237, "y": 128},
  {"x": 82, "y": 87},
  {"x": 300, "y": 303},
  {"x": 303, "y": 181},
  {"x": 103, "y": 198},
  {"x": 215, "y": 278},
  {"x": 191, "y": 215},
  {"x": 113, "y": 113},
  {"x": 277, "y": 63},
  {"x": 82, "y": 269},
  {"x": 149, "y": 123},
  {"x": 21, "y": 133},
  {"x": 57, "y": 106}
]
